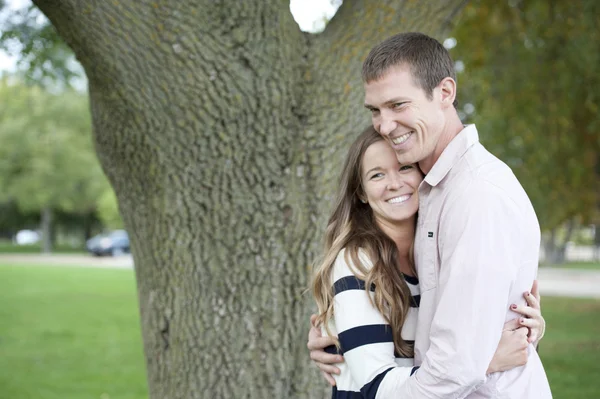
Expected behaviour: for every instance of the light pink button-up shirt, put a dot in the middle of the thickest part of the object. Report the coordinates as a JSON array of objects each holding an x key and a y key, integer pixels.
[{"x": 476, "y": 249}]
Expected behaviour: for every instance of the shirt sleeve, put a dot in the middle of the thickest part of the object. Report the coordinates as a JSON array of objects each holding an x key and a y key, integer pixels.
[
  {"x": 365, "y": 338},
  {"x": 481, "y": 233}
]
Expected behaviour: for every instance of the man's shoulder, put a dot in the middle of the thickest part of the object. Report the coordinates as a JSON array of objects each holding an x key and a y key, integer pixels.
[{"x": 482, "y": 171}]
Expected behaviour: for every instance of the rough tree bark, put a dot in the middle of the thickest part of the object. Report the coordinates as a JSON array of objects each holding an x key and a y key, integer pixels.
[{"x": 221, "y": 127}]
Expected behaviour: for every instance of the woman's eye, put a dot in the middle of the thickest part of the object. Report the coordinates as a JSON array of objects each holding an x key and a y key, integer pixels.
[
  {"x": 406, "y": 167},
  {"x": 376, "y": 175}
]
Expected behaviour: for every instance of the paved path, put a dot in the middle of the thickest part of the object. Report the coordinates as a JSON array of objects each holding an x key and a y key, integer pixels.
[
  {"x": 553, "y": 281},
  {"x": 119, "y": 262}
]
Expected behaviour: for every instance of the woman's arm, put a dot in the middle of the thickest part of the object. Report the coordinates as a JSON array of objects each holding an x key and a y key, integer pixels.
[
  {"x": 365, "y": 337},
  {"x": 519, "y": 333}
]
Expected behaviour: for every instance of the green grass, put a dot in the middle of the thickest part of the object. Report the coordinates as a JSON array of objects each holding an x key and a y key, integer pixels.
[
  {"x": 577, "y": 265},
  {"x": 571, "y": 347},
  {"x": 9, "y": 247},
  {"x": 68, "y": 332}
]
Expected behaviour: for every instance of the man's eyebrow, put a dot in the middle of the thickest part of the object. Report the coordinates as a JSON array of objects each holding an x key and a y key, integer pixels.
[
  {"x": 395, "y": 100},
  {"x": 388, "y": 102}
]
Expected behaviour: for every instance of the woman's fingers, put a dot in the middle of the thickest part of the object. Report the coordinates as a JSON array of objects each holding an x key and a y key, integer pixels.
[
  {"x": 532, "y": 300},
  {"x": 511, "y": 325},
  {"x": 534, "y": 326},
  {"x": 535, "y": 291},
  {"x": 526, "y": 311}
]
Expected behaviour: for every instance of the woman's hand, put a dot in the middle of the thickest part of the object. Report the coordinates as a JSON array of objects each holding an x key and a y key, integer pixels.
[
  {"x": 519, "y": 333},
  {"x": 512, "y": 349},
  {"x": 532, "y": 314}
]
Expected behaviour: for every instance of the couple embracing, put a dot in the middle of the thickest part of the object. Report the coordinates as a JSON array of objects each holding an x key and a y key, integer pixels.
[{"x": 426, "y": 288}]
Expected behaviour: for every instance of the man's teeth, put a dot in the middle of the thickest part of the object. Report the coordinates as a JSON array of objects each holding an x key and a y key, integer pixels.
[
  {"x": 398, "y": 200},
  {"x": 401, "y": 139}
]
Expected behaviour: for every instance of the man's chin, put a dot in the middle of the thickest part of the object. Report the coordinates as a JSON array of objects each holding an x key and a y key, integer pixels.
[{"x": 406, "y": 158}]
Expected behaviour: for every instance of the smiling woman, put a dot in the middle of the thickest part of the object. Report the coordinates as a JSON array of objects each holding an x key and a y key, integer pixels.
[{"x": 368, "y": 247}]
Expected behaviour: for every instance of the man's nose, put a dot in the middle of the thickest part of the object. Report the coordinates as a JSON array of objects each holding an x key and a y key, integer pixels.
[{"x": 387, "y": 126}]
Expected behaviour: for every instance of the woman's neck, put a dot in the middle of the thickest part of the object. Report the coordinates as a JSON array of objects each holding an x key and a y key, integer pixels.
[{"x": 403, "y": 234}]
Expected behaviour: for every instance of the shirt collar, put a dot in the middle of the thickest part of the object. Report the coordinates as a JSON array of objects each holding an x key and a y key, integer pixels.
[{"x": 465, "y": 139}]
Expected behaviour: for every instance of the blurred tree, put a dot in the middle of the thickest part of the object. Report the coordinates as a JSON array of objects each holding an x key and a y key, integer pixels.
[
  {"x": 47, "y": 161},
  {"x": 221, "y": 127},
  {"x": 531, "y": 75},
  {"x": 43, "y": 58},
  {"x": 108, "y": 210}
]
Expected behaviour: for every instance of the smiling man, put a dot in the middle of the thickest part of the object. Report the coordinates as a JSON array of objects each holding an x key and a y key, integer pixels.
[{"x": 477, "y": 239}]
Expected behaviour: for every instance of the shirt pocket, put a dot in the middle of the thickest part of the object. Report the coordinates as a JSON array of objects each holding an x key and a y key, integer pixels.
[{"x": 427, "y": 256}]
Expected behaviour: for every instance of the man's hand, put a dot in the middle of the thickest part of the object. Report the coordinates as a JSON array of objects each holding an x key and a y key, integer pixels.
[{"x": 316, "y": 345}]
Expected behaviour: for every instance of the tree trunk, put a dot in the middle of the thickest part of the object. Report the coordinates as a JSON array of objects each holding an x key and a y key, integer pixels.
[
  {"x": 47, "y": 229},
  {"x": 221, "y": 128},
  {"x": 556, "y": 251}
]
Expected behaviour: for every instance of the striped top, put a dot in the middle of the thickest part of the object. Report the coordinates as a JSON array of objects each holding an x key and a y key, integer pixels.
[{"x": 370, "y": 369}]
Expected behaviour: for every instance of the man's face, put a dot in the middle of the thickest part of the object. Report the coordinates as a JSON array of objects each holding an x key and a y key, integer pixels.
[{"x": 404, "y": 116}]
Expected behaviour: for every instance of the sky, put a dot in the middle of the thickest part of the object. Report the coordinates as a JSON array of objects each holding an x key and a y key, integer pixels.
[{"x": 309, "y": 14}]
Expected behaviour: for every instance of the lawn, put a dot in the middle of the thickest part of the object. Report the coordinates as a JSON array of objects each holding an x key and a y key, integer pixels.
[
  {"x": 571, "y": 347},
  {"x": 68, "y": 332},
  {"x": 576, "y": 265},
  {"x": 9, "y": 247}
]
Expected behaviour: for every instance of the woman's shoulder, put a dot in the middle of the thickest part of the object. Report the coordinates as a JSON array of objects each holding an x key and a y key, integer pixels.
[{"x": 344, "y": 265}]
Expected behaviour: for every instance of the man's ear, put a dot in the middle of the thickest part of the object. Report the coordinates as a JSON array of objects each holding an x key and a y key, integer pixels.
[{"x": 447, "y": 91}]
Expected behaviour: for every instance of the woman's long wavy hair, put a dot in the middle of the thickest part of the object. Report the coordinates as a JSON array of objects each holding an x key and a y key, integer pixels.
[{"x": 352, "y": 227}]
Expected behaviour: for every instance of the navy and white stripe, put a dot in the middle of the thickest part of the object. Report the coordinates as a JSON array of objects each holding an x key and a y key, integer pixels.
[{"x": 371, "y": 368}]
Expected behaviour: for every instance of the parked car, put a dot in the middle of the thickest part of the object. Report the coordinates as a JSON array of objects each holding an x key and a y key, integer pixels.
[
  {"x": 27, "y": 237},
  {"x": 115, "y": 243}
]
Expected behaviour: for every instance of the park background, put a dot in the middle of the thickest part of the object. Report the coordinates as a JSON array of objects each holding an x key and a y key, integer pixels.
[{"x": 527, "y": 73}]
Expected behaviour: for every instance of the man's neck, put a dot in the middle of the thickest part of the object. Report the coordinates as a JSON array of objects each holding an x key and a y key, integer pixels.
[{"x": 447, "y": 135}]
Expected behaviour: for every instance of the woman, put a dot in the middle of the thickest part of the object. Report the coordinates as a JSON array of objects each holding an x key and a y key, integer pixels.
[{"x": 366, "y": 286}]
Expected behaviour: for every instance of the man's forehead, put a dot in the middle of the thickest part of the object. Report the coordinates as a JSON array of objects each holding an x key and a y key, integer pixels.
[{"x": 394, "y": 83}]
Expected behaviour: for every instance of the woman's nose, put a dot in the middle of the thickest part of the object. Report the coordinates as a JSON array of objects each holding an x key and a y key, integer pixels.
[{"x": 394, "y": 183}]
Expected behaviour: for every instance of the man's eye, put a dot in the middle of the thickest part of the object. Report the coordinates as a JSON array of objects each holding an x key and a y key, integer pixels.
[
  {"x": 406, "y": 167},
  {"x": 374, "y": 111},
  {"x": 397, "y": 105}
]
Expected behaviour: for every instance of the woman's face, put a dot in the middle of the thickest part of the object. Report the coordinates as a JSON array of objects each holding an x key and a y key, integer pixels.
[{"x": 391, "y": 189}]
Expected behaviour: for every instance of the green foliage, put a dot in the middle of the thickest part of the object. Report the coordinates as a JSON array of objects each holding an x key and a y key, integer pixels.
[
  {"x": 47, "y": 158},
  {"x": 108, "y": 210},
  {"x": 42, "y": 56},
  {"x": 531, "y": 74}
]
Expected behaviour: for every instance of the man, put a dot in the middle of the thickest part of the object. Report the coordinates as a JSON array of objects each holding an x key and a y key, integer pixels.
[{"x": 477, "y": 240}]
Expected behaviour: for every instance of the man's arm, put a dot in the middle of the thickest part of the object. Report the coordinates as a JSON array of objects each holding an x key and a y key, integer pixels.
[{"x": 479, "y": 238}]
